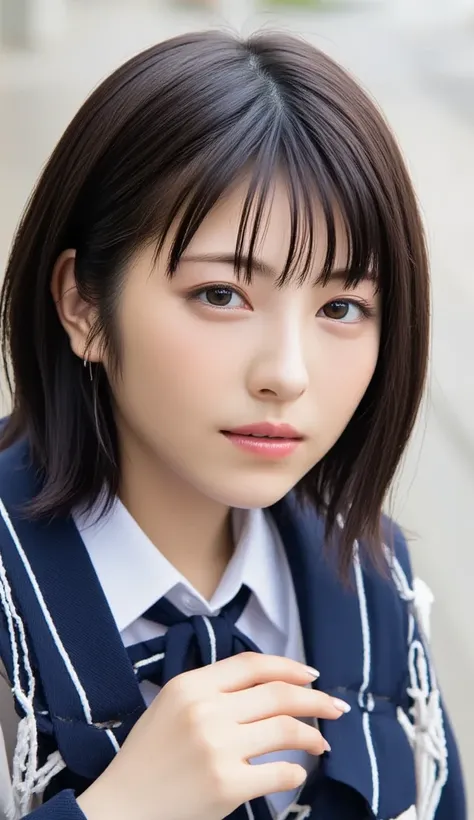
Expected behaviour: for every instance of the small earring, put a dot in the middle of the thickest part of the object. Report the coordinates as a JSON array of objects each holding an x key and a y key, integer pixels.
[{"x": 86, "y": 362}]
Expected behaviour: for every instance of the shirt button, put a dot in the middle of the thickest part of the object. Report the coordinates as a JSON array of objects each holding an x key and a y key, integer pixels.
[{"x": 188, "y": 602}]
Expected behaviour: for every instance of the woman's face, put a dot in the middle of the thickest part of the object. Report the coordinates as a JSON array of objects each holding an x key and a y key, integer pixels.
[{"x": 204, "y": 355}]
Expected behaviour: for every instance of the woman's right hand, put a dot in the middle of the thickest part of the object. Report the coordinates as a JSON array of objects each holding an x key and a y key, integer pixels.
[{"x": 187, "y": 758}]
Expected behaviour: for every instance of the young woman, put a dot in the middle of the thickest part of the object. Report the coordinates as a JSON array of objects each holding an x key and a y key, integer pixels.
[{"x": 215, "y": 319}]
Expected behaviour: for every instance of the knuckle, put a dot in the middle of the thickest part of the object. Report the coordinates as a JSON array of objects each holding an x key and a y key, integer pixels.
[
  {"x": 248, "y": 664},
  {"x": 179, "y": 689},
  {"x": 288, "y": 728},
  {"x": 323, "y": 704},
  {"x": 299, "y": 734},
  {"x": 278, "y": 693},
  {"x": 249, "y": 659},
  {"x": 196, "y": 716}
]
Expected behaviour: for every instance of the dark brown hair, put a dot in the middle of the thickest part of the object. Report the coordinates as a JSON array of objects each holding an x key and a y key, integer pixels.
[{"x": 156, "y": 146}]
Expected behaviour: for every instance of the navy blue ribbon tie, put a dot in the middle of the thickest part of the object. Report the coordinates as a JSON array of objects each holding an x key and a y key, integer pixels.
[{"x": 191, "y": 641}]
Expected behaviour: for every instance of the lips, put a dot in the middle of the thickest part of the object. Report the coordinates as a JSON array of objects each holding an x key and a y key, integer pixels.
[
  {"x": 267, "y": 430},
  {"x": 265, "y": 441}
]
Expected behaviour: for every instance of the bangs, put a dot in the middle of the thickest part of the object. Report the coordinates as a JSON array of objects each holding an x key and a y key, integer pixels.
[{"x": 327, "y": 195}]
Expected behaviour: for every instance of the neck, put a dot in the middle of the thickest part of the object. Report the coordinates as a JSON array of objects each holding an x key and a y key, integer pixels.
[{"x": 192, "y": 531}]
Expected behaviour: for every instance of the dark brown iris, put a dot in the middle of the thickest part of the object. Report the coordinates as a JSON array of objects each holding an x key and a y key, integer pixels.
[{"x": 336, "y": 310}]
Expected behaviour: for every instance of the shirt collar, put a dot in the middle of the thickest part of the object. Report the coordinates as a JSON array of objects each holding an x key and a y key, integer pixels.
[
  {"x": 259, "y": 562},
  {"x": 134, "y": 574}
]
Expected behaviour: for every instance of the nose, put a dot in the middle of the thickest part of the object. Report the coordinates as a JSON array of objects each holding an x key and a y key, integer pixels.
[{"x": 279, "y": 369}]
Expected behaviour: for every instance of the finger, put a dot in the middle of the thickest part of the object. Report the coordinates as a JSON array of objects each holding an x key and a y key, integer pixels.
[
  {"x": 278, "y": 734},
  {"x": 267, "y": 778},
  {"x": 280, "y": 698},
  {"x": 249, "y": 669}
]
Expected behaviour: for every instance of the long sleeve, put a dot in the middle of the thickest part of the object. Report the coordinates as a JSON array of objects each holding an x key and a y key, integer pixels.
[{"x": 61, "y": 807}]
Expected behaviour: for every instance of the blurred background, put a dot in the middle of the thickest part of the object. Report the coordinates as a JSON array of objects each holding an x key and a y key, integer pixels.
[{"x": 416, "y": 57}]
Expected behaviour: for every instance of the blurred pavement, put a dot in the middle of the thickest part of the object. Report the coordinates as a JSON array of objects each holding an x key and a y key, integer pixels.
[{"x": 424, "y": 80}]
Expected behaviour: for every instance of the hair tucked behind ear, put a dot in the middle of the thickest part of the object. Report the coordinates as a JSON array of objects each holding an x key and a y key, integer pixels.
[{"x": 151, "y": 152}]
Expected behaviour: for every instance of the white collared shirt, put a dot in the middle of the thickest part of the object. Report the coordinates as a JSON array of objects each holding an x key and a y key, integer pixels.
[{"x": 134, "y": 575}]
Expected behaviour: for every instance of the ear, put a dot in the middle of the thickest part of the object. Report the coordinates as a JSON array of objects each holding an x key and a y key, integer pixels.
[{"x": 75, "y": 314}]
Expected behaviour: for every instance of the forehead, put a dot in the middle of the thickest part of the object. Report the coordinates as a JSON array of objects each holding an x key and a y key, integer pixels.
[{"x": 219, "y": 231}]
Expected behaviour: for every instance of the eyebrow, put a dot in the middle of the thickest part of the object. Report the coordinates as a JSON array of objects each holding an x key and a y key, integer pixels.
[
  {"x": 261, "y": 267},
  {"x": 258, "y": 265}
]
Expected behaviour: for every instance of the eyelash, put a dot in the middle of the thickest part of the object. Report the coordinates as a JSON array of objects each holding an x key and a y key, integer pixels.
[
  {"x": 194, "y": 296},
  {"x": 367, "y": 310}
]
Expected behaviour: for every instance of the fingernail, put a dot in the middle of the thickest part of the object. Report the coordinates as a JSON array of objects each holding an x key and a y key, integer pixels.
[
  {"x": 326, "y": 746},
  {"x": 312, "y": 672},
  {"x": 341, "y": 705}
]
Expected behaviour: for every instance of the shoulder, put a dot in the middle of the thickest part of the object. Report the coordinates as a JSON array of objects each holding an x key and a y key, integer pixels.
[
  {"x": 412, "y": 591},
  {"x": 396, "y": 546},
  {"x": 311, "y": 526},
  {"x": 18, "y": 475},
  {"x": 18, "y": 480}
]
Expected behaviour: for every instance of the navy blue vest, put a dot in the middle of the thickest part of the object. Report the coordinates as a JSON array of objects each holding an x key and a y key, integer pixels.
[{"x": 88, "y": 698}]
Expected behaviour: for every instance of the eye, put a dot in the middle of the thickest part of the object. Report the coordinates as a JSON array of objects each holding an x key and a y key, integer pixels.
[
  {"x": 219, "y": 296},
  {"x": 345, "y": 311}
]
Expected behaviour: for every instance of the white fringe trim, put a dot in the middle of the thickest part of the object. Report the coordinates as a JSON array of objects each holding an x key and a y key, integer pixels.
[
  {"x": 27, "y": 780},
  {"x": 425, "y": 729}
]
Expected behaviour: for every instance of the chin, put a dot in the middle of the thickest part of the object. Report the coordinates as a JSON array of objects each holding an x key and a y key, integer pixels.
[{"x": 253, "y": 496}]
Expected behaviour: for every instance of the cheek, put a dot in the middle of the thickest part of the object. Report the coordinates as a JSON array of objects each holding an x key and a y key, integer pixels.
[
  {"x": 172, "y": 359},
  {"x": 348, "y": 367}
]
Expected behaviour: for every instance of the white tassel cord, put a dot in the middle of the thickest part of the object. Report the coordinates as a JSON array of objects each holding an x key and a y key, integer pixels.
[
  {"x": 27, "y": 779},
  {"x": 425, "y": 729},
  {"x": 61, "y": 649}
]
